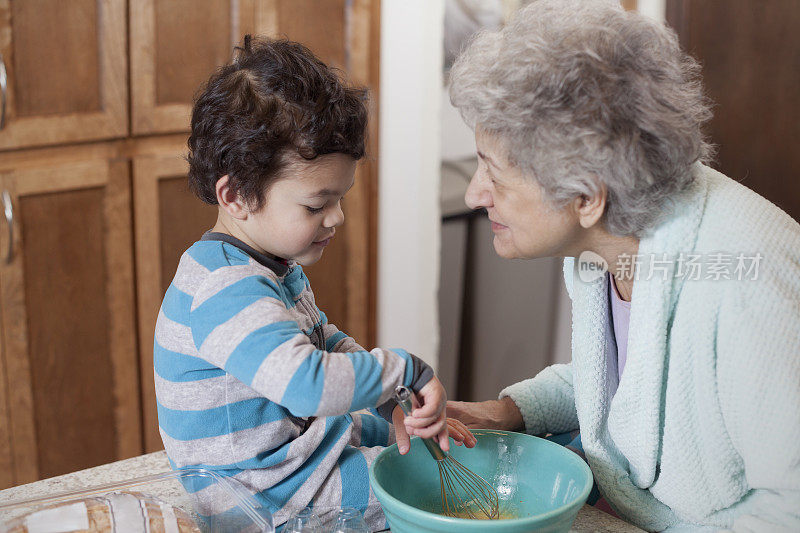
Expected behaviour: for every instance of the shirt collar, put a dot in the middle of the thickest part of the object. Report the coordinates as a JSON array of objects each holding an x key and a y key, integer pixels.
[{"x": 279, "y": 266}]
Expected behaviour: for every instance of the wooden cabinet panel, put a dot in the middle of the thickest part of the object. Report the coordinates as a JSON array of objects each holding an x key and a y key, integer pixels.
[
  {"x": 324, "y": 33},
  {"x": 184, "y": 58},
  {"x": 66, "y": 71},
  {"x": 68, "y": 322},
  {"x": 169, "y": 218},
  {"x": 175, "y": 47},
  {"x": 750, "y": 54},
  {"x": 61, "y": 78}
]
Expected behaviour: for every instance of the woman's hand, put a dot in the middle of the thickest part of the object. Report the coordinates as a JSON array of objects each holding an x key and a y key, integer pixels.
[
  {"x": 493, "y": 414},
  {"x": 460, "y": 434}
]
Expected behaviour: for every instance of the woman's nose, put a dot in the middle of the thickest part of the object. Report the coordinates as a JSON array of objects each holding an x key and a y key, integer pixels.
[{"x": 477, "y": 194}]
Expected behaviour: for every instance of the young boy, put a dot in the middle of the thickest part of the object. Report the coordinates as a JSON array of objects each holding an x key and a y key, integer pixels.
[{"x": 251, "y": 379}]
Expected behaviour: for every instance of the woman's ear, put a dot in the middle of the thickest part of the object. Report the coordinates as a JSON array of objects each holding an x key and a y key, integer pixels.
[
  {"x": 590, "y": 209},
  {"x": 229, "y": 200}
]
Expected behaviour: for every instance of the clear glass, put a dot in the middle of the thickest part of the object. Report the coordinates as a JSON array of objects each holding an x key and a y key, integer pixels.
[
  {"x": 349, "y": 520},
  {"x": 247, "y": 516},
  {"x": 305, "y": 521}
]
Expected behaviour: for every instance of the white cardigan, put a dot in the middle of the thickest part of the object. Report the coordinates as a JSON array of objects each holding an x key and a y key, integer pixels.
[{"x": 704, "y": 427}]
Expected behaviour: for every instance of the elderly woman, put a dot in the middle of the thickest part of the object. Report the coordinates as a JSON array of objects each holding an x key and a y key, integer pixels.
[{"x": 685, "y": 373}]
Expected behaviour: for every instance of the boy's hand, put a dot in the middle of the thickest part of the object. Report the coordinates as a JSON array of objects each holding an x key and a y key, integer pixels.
[
  {"x": 457, "y": 431},
  {"x": 428, "y": 417}
]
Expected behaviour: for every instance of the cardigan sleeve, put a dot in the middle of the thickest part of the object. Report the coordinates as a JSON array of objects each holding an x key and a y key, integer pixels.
[
  {"x": 758, "y": 377},
  {"x": 546, "y": 401}
]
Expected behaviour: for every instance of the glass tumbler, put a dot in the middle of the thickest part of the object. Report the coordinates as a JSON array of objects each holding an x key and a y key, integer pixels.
[
  {"x": 349, "y": 520},
  {"x": 305, "y": 521}
]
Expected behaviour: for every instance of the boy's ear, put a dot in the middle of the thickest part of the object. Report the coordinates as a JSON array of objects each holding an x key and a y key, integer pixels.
[{"x": 229, "y": 200}]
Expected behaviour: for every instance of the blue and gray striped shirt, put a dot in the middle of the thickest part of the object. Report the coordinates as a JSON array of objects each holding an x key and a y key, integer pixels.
[{"x": 253, "y": 381}]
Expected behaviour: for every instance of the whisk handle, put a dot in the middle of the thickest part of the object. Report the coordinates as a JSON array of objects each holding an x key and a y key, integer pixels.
[{"x": 405, "y": 399}]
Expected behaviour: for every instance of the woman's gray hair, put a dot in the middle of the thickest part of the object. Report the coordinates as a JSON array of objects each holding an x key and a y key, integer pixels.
[{"x": 581, "y": 91}]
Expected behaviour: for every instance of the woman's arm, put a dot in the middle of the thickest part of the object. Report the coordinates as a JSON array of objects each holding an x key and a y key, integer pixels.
[
  {"x": 547, "y": 401},
  {"x": 492, "y": 414},
  {"x": 543, "y": 404}
]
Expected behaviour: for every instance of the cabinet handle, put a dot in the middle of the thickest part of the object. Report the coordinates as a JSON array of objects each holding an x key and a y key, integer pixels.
[
  {"x": 3, "y": 91},
  {"x": 8, "y": 208}
]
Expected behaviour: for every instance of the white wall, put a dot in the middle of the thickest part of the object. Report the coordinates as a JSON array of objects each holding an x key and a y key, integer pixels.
[
  {"x": 655, "y": 9},
  {"x": 408, "y": 198}
]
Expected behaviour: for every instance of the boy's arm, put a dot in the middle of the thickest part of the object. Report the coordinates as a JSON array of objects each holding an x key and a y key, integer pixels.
[
  {"x": 338, "y": 341},
  {"x": 246, "y": 329},
  {"x": 335, "y": 340},
  {"x": 371, "y": 431}
]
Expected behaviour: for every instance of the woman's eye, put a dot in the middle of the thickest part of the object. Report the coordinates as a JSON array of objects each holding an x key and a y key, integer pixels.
[{"x": 313, "y": 209}]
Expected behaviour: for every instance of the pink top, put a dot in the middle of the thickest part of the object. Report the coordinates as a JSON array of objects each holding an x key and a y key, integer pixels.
[{"x": 620, "y": 316}]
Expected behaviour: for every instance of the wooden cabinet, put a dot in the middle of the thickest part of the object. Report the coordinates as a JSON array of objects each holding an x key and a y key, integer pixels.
[
  {"x": 100, "y": 209},
  {"x": 66, "y": 71},
  {"x": 68, "y": 328},
  {"x": 175, "y": 46}
]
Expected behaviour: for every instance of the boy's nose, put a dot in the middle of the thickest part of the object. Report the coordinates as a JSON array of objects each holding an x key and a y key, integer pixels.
[
  {"x": 335, "y": 217},
  {"x": 477, "y": 194}
]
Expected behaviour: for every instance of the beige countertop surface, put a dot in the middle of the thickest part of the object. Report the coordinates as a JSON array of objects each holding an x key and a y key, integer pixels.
[{"x": 588, "y": 520}]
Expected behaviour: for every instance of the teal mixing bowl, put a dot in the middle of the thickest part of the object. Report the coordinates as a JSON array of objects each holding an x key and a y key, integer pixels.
[{"x": 541, "y": 485}]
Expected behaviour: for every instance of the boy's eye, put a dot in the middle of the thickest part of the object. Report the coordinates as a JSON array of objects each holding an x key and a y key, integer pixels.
[{"x": 311, "y": 209}]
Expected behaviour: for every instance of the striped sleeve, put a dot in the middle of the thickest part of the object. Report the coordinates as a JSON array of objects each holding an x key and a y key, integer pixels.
[
  {"x": 336, "y": 340},
  {"x": 372, "y": 430},
  {"x": 341, "y": 342},
  {"x": 244, "y": 326}
]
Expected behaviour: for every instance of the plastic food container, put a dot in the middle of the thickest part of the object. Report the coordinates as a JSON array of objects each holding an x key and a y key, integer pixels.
[{"x": 246, "y": 516}]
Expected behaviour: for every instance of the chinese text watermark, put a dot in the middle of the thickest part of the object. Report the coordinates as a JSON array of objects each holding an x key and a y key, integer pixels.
[{"x": 692, "y": 266}]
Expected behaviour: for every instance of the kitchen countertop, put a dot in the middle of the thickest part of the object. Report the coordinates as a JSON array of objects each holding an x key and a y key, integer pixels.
[{"x": 588, "y": 520}]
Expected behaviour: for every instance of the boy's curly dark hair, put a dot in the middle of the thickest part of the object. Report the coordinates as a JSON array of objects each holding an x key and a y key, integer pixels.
[{"x": 275, "y": 101}]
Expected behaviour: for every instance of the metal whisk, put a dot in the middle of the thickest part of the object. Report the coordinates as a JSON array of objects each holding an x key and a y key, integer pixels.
[{"x": 464, "y": 493}]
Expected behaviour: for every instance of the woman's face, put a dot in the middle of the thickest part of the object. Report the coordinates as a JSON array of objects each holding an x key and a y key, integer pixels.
[{"x": 524, "y": 223}]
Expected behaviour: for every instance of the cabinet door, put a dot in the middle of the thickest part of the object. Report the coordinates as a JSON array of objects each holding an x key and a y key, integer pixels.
[
  {"x": 176, "y": 46},
  {"x": 169, "y": 218},
  {"x": 68, "y": 329},
  {"x": 66, "y": 71}
]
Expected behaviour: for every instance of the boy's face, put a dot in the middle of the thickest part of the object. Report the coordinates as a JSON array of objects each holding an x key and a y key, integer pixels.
[{"x": 302, "y": 209}]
